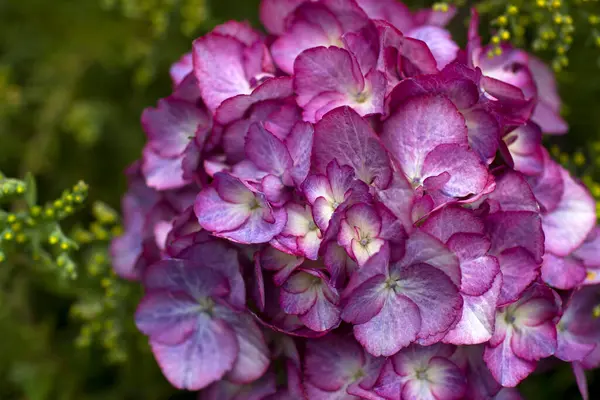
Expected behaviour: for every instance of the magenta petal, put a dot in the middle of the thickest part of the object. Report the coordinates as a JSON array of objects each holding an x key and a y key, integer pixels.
[
  {"x": 201, "y": 359},
  {"x": 181, "y": 68},
  {"x": 512, "y": 193},
  {"x": 548, "y": 187},
  {"x": 420, "y": 125},
  {"x": 393, "y": 328},
  {"x": 167, "y": 317},
  {"x": 394, "y": 12},
  {"x": 219, "y": 67},
  {"x": 505, "y": 366},
  {"x": 579, "y": 373},
  {"x": 562, "y": 272},
  {"x": 266, "y": 151},
  {"x": 344, "y": 136},
  {"x": 484, "y": 133},
  {"x": 567, "y": 226},
  {"x": 275, "y": 260}
]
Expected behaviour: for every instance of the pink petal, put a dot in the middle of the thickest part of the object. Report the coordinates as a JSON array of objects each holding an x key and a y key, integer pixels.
[
  {"x": 534, "y": 343},
  {"x": 322, "y": 316},
  {"x": 344, "y": 136},
  {"x": 518, "y": 269},
  {"x": 162, "y": 173},
  {"x": 366, "y": 301},
  {"x": 394, "y": 12}
]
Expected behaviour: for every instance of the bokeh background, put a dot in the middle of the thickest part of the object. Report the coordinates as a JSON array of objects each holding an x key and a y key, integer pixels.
[{"x": 74, "y": 78}]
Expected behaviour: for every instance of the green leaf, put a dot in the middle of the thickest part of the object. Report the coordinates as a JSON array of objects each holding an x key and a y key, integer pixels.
[{"x": 31, "y": 192}]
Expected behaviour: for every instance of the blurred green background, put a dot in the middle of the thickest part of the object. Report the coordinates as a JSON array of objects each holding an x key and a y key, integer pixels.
[{"x": 74, "y": 78}]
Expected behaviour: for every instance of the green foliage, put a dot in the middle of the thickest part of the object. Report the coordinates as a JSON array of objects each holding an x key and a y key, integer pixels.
[{"x": 74, "y": 77}]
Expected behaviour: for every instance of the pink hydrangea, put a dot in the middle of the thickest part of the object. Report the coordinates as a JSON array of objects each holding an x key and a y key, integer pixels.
[{"x": 351, "y": 207}]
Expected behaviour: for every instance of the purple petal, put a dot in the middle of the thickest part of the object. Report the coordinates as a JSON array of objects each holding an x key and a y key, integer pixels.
[
  {"x": 225, "y": 390},
  {"x": 567, "y": 226},
  {"x": 162, "y": 173},
  {"x": 214, "y": 214},
  {"x": 518, "y": 269},
  {"x": 394, "y": 327},
  {"x": 299, "y": 144},
  {"x": 562, "y": 272},
  {"x": 447, "y": 221},
  {"x": 275, "y": 260},
  {"x": 181, "y": 68},
  {"x": 505, "y": 366},
  {"x": 201, "y": 359},
  {"x": 171, "y": 125},
  {"x": 253, "y": 357},
  {"x": 234, "y": 108},
  {"x": 344, "y": 136},
  {"x": 436, "y": 297},
  {"x": 418, "y": 126},
  {"x": 266, "y": 151},
  {"x": 167, "y": 317},
  {"x": 314, "y": 25},
  {"x": 274, "y": 13},
  {"x": 476, "y": 324},
  {"x": 219, "y": 67},
  {"x": 439, "y": 41},
  {"x": 516, "y": 229},
  {"x": 366, "y": 301}
]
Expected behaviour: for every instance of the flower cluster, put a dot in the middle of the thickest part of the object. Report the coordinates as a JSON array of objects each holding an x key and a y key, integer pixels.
[{"x": 354, "y": 203}]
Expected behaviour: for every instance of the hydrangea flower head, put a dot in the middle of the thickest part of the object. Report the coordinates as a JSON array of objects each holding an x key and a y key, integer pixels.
[{"x": 351, "y": 207}]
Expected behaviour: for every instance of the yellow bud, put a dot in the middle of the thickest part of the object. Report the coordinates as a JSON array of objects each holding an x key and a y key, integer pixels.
[
  {"x": 502, "y": 20},
  {"x": 541, "y": 3},
  {"x": 53, "y": 239},
  {"x": 596, "y": 311},
  {"x": 58, "y": 204},
  {"x": 21, "y": 238},
  {"x": 568, "y": 20},
  {"x": 558, "y": 19},
  {"x": 590, "y": 275},
  {"x": 579, "y": 159},
  {"x": 556, "y": 3},
  {"x": 64, "y": 245},
  {"x": 597, "y": 41},
  {"x": 20, "y": 189},
  {"x": 560, "y": 50},
  {"x": 512, "y": 10},
  {"x": 11, "y": 218},
  {"x": 593, "y": 19},
  {"x": 505, "y": 35},
  {"x": 16, "y": 226},
  {"x": 495, "y": 39},
  {"x": 36, "y": 210},
  {"x": 105, "y": 282},
  {"x": 497, "y": 51},
  {"x": 49, "y": 212},
  {"x": 69, "y": 209},
  {"x": 8, "y": 235}
]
